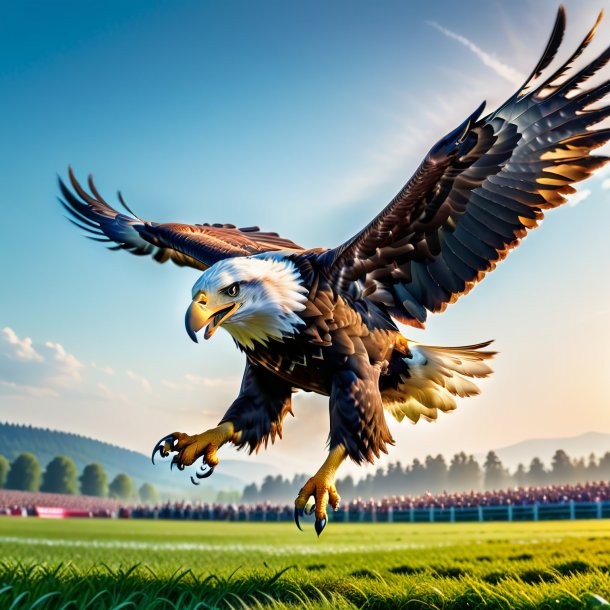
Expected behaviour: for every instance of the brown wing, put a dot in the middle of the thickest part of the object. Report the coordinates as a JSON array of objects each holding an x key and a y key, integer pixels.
[
  {"x": 196, "y": 246},
  {"x": 478, "y": 191}
]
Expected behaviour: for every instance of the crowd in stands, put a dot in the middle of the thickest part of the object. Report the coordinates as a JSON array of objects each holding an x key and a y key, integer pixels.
[
  {"x": 211, "y": 511},
  {"x": 517, "y": 496},
  {"x": 25, "y": 503},
  {"x": 14, "y": 502}
]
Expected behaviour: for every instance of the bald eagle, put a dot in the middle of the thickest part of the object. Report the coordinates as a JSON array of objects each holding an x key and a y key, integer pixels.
[{"x": 324, "y": 320}]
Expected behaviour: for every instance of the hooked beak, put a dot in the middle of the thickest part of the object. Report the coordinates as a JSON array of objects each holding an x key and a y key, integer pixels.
[{"x": 198, "y": 316}]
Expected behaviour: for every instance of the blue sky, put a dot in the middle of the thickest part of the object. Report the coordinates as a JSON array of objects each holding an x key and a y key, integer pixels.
[{"x": 306, "y": 119}]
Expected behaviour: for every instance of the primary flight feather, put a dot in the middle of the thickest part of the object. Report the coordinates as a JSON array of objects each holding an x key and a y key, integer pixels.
[{"x": 323, "y": 320}]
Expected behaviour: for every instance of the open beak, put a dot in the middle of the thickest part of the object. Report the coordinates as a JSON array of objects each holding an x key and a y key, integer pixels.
[{"x": 198, "y": 316}]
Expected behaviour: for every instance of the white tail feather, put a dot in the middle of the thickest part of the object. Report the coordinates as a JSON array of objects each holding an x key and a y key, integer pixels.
[{"x": 436, "y": 375}]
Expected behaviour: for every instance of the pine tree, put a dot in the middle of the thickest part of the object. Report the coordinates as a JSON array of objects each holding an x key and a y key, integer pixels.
[
  {"x": 250, "y": 493},
  {"x": 456, "y": 476},
  {"x": 494, "y": 477},
  {"x": 536, "y": 475},
  {"x": 436, "y": 473},
  {"x": 562, "y": 468},
  {"x": 520, "y": 476}
]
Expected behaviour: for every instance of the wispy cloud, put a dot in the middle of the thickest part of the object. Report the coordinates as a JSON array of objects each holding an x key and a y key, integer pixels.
[
  {"x": 407, "y": 142},
  {"x": 35, "y": 370},
  {"x": 22, "y": 349},
  {"x": 17, "y": 389},
  {"x": 491, "y": 61},
  {"x": 190, "y": 382},
  {"x": 211, "y": 382},
  {"x": 111, "y": 395},
  {"x": 108, "y": 370},
  {"x": 141, "y": 380},
  {"x": 400, "y": 150},
  {"x": 68, "y": 366}
]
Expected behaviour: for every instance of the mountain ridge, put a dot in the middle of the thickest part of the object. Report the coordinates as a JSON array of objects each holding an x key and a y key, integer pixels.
[
  {"x": 580, "y": 445},
  {"x": 46, "y": 444}
]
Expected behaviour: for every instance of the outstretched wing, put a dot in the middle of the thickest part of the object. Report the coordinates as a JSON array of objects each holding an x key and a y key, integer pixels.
[
  {"x": 198, "y": 246},
  {"x": 478, "y": 191}
]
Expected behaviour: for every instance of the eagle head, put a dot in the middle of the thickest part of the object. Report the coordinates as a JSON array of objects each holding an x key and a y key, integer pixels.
[{"x": 255, "y": 298}]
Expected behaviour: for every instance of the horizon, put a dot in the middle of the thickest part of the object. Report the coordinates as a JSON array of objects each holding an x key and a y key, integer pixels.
[
  {"x": 511, "y": 464},
  {"x": 195, "y": 116}
]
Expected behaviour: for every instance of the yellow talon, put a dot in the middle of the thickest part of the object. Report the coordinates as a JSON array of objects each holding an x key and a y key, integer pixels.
[
  {"x": 322, "y": 487},
  {"x": 189, "y": 448}
]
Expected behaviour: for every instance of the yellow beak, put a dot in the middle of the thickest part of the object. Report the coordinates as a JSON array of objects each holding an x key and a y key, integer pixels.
[{"x": 198, "y": 316}]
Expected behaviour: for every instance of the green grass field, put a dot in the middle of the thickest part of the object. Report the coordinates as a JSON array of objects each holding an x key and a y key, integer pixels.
[{"x": 101, "y": 564}]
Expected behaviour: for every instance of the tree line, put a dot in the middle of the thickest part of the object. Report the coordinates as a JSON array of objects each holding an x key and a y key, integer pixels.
[
  {"x": 61, "y": 476},
  {"x": 435, "y": 475}
]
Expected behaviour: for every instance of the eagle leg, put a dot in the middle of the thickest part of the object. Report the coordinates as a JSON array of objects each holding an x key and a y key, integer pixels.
[
  {"x": 322, "y": 488},
  {"x": 188, "y": 449},
  {"x": 257, "y": 414},
  {"x": 357, "y": 430}
]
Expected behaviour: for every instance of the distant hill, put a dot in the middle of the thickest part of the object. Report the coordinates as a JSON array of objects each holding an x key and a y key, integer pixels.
[
  {"x": 544, "y": 448},
  {"x": 46, "y": 444}
]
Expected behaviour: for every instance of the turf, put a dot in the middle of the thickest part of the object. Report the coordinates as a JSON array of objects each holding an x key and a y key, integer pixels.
[{"x": 183, "y": 565}]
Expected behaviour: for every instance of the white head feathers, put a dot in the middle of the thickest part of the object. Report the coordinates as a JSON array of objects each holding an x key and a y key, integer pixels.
[{"x": 270, "y": 295}]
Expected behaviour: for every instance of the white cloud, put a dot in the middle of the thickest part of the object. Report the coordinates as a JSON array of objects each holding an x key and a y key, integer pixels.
[
  {"x": 606, "y": 184},
  {"x": 16, "y": 389},
  {"x": 397, "y": 154},
  {"x": 68, "y": 366},
  {"x": 108, "y": 370},
  {"x": 20, "y": 349},
  {"x": 501, "y": 69},
  {"x": 35, "y": 371},
  {"x": 579, "y": 197},
  {"x": 108, "y": 394},
  {"x": 210, "y": 382},
  {"x": 140, "y": 380},
  {"x": 191, "y": 382}
]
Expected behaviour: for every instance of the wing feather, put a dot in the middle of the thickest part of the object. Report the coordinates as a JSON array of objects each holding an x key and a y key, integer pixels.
[
  {"x": 197, "y": 246},
  {"x": 480, "y": 190}
]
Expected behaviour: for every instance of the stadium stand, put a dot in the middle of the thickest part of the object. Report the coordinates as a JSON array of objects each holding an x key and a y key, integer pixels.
[
  {"x": 25, "y": 503},
  {"x": 587, "y": 500}
]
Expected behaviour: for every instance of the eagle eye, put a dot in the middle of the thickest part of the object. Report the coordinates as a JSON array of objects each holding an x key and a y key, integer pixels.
[{"x": 233, "y": 290}]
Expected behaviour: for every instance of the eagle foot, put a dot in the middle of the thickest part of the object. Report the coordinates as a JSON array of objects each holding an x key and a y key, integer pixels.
[
  {"x": 322, "y": 488},
  {"x": 187, "y": 449}
]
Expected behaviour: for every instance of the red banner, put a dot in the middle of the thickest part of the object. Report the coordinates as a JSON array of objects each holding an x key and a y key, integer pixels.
[{"x": 50, "y": 512}]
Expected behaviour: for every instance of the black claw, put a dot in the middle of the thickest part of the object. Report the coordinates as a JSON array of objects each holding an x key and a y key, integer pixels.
[
  {"x": 204, "y": 474},
  {"x": 311, "y": 509},
  {"x": 298, "y": 512},
  {"x": 160, "y": 447},
  {"x": 320, "y": 525},
  {"x": 194, "y": 482},
  {"x": 176, "y": 462}
]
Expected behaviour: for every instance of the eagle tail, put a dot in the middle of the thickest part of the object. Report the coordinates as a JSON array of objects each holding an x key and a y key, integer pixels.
[{"x": 433, "y": 376}]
